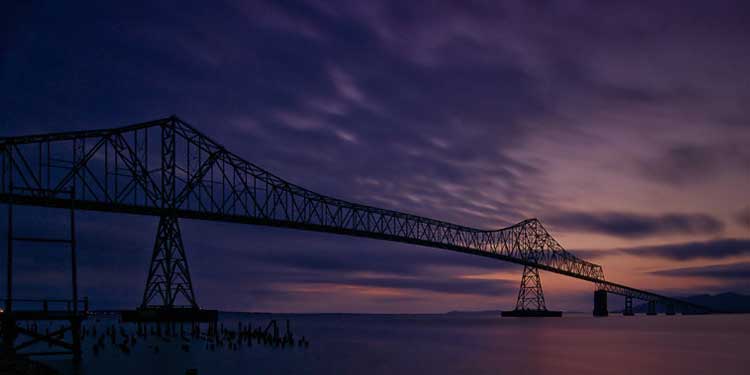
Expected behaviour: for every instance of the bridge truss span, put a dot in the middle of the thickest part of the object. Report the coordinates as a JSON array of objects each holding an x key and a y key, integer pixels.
[{"x": 167, "y": 168}]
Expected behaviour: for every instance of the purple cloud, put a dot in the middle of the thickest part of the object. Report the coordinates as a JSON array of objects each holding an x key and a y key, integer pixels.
[
  {"x": 629, "y": 225},
  {"x": 716, "y": 249},
  {"x": 725, "y": 272}
]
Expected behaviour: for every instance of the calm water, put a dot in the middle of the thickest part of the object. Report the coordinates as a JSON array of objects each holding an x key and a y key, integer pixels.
[{"x": 451, "y": 344}]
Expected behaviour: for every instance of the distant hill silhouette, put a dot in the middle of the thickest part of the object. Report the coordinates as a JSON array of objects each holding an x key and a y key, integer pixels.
[{"x": 724, "y": 302}]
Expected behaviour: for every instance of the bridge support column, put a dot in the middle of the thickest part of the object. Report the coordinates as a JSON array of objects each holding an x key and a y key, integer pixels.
[
  {"x": 651, "y": 308},
  {"x": 531, "y": 297},
  {"x": 670, "y": 308},
  {"x": 168, "y": 275},
  {"x": 600, "y": 303},
  {"x": 628, "y": 311}
]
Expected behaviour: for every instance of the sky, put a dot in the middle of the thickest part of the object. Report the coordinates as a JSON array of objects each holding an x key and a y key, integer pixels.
[{"x": 622, "y": 126}]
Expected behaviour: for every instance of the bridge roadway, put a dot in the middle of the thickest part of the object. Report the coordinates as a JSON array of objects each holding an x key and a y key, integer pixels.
[{"x": 167, "y": 168}]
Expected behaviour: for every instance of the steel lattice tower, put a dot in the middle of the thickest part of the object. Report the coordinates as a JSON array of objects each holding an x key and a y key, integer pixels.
[
  {"x": 530, "y": 295},
  {"x": 168, "y": 275}
]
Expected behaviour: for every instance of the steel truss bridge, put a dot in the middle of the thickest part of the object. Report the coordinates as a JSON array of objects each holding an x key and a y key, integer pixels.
[{"x": 167, "y": 168}]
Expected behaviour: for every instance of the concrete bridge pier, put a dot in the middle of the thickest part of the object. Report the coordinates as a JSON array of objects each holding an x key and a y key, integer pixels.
[
  {"x": 628, "y": 311},
  {"x": 600, "y": 303},
  {"x": 670, "y": 308},
  {"x": 651, "y": 308}
]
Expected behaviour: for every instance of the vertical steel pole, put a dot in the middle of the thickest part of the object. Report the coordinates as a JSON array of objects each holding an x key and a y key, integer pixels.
[
  {"x": 106, "y": 169},
  {"x": 73, "y": 255},
  {"x": 76, "y": 321},
  {"x": 39, "y": 168},
  {"x": 9, "y": 286},
  {"x": 8, "y": 324},
  {"x": 9, "y": 265},
  {"x": 49, "y": 167},
  {"x": 74, "y": 263}
]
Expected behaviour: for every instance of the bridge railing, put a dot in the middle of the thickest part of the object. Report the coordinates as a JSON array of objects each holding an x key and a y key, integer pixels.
[{"x": 46, "y": 305}]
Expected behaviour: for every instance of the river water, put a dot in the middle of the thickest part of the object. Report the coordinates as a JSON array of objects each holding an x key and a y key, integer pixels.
[{"x": 452, "y": 344}]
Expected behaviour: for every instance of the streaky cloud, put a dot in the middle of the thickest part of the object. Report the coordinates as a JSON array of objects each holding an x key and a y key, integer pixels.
[
  {"x": 715, "y": 249},
  {"x": 731, "y": 271},
  {"x": 628, "y": 225},
  {"x": 743, "y": 217}
]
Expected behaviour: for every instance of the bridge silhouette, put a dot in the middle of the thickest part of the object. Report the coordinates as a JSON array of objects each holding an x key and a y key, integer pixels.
[{"x": 167, "y": 168}]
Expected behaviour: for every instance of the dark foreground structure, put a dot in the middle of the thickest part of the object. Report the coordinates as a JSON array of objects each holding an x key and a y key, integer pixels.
[{"x": 167, "y": 168}]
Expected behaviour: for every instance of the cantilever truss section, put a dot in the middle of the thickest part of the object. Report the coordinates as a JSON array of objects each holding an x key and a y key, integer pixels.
[{"x": 168, "y": 168}]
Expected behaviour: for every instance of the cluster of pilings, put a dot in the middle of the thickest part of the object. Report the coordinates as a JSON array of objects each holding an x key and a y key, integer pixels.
[
  {"x": 14, "y": 364},
  {"x": 122, "y": 338}
]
